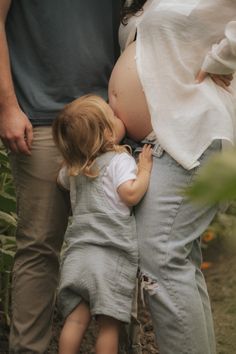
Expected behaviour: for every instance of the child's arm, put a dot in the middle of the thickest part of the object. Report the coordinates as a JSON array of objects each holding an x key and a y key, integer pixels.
[{"x": 132, "y": 191}]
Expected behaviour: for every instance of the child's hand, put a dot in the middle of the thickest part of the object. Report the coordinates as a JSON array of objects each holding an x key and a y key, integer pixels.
[
  {"x": 145, "y": 159},
  {"x": 132, "y": 191}
]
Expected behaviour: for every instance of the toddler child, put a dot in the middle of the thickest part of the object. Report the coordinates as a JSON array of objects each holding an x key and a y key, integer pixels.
[{"x": 99, "y": 266}]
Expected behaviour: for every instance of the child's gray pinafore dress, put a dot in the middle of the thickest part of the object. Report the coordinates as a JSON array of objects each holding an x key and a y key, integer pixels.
[{"x": 101, "y": 259}]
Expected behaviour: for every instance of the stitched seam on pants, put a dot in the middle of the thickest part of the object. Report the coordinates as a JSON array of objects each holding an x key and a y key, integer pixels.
[{"x": 171, "y": 290}]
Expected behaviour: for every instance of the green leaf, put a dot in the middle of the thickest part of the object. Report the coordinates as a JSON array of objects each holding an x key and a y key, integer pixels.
[
  {"x": 7, "y": 219},
  {"x": 217, "y": 180},
  {"x": 5, "y": 169},
  {"x": 4, "y": 158},
  {"x": 8, "y": 243},
  {"x": 6, "y": 260},
  {"x": 7, "y": 202},
  {"x": 8, "y": 224}
]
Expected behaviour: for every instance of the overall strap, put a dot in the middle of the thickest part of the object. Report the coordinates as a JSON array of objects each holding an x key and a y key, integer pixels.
[{"x": 104, "y": 160}]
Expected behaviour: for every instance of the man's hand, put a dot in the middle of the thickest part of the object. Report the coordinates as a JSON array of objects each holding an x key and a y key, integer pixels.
[
  {"x": 16, "y": 131},
  {"x": 223, "y": 81}
]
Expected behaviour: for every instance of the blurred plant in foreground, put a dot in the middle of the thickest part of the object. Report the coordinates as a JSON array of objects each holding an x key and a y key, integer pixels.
[
  {"x": 217, "y": 180},
  {"x": 216, "y": 183}
]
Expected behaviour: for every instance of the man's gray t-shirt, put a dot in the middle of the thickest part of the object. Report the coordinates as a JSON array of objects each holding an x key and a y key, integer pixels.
[{"x": 60, "y": 50}]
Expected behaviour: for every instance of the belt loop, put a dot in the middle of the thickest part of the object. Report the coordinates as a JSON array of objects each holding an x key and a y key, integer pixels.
[
  {"x": 150, "y": 140},
  {"x": 157, "y": 150}
]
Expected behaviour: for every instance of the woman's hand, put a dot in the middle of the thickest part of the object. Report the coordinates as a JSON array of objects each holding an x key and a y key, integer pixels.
[{"x": 223, "y": 81}]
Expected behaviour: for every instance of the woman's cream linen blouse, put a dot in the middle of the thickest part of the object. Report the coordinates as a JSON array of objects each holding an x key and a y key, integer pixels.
[{"x": 175, "y": 39}]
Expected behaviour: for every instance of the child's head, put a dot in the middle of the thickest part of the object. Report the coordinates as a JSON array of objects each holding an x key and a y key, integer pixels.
[{"x": 82, "y": 131}]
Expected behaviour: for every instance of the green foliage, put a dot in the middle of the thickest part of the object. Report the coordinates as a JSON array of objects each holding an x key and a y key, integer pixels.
[
  {"x": 224, "y": 226},
  {"x": 216, "y": 183},
  {"x": 217, "y": 180},
  {"x": 7, "y": 232}
]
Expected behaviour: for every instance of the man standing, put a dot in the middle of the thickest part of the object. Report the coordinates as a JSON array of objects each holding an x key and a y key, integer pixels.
[{"x": 50, "y": 53}]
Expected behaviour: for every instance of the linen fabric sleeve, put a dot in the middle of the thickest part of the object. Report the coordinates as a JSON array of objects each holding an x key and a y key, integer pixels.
[
  {"x": 222, "y": 57},
  {"x": 63, "y": 179},
  {"x": 123, "y": 168}
]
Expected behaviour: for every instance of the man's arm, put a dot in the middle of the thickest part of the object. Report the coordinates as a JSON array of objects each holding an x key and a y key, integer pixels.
[{"x": 15, "y": 127}]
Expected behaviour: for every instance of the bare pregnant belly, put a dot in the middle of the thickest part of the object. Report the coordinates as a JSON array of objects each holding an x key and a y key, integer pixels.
[{"x": 126, "y": 96}]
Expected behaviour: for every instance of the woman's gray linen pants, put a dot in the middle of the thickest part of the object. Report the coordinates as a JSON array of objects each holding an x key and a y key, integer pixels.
[{"x": 169, "y": 227}]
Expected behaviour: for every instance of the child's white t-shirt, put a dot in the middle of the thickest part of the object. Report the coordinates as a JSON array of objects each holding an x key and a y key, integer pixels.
[{"x": 121, "y": 169}]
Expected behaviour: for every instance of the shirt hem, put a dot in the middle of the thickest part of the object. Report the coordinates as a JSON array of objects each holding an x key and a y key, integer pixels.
[{"x": 196, "y": 161}]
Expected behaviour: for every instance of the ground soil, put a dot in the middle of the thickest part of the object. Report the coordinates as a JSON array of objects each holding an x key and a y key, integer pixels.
[{"x": 221, "y": 280}]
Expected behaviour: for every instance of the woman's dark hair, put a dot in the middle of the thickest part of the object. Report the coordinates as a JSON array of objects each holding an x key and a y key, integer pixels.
[{"x": 129, "y": 10}]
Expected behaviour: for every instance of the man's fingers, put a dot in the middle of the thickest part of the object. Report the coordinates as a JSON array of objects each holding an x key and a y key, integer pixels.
[
  {"x": 12, "y": 146},
  {"x": 19, "y": 142},
  {"x": 29, "y": 136},
  {"x": 17, "y": 145},
  {"x": 5, "y": 142},
  {"x": 22, "y": 146}
]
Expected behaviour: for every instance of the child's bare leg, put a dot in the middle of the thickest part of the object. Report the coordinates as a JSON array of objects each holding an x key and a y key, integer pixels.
[
  {"x": 108, "y": 337},
  {"x": 73, "y": 330}
]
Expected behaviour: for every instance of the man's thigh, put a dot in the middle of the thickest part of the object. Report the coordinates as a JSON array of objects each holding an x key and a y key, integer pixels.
[{"x": 41, "y": 207}]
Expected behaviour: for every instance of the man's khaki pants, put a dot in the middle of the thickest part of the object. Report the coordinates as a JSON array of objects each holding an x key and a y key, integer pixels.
[{"x": 42, "y": 219}]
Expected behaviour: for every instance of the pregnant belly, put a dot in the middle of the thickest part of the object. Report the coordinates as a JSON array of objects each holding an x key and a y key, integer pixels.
[{"x": 126, "y": 96}]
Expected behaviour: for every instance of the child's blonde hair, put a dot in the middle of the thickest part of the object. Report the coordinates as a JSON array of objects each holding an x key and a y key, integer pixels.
[{"x": 82, "y": 131}]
